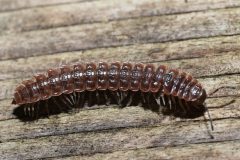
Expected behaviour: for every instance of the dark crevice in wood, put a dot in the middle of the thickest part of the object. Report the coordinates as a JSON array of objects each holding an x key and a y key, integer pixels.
[
  {"x": 218, "y": 75},
  {"x": 224, "y": 96}
]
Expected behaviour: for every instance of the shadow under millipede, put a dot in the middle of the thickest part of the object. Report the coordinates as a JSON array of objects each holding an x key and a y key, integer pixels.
[{"x": 65, "y": 103}]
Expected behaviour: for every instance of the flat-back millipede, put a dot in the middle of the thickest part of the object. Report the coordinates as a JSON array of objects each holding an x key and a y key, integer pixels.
[{"x": 160, "y": 89}]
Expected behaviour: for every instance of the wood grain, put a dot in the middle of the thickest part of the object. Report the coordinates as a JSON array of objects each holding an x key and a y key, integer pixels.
[
  {"x": 121, "y": 33},
  {"x": 178, "y": 53},
  {"x": 88, "y": 143},
  {"x": 75, "y": 12},
  {"x": 199, "y": 37},
  {"x": 222, "y": 150},
  {"x": 12, "y": 5},
  {"x": 96, "y": 120}
]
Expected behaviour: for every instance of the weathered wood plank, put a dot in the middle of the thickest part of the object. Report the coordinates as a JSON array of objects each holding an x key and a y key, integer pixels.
[
  {"x": 11, "y": 5},
  {"x": 120, "y": 139},
  {"x": 200, "y": 37},
  {"x": 155, "y": 52},
  {"x": 103, "y": 11},
  {"x": 221, "y": 150},
  {"x": 96, "y": 120},
  {"x": 121, "y": 33}
]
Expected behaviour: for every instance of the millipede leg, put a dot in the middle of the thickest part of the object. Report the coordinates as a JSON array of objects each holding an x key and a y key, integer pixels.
[
  {"x": 154, "y": 105},
  {"x": 82, "y": 99},
  {"x": 167, "y": 105},
  {"x": 143, "y": 99},
  {"x": 156, "y": 97},
  {"x": 121, "y": 96},
  {"x": 166, "y": 99},
  {"x": 34, "y": 110},
  {"x": 136, "y": 98},
  {"x": 71, "y": 99},
  {"x": 37, "y": 109},
  {"x": 183, "y": 108},
  {"x": 107, "y": 101},
  {"x": 173, "y": 103},
  {"x": 188, "y": 107},
  {"x": 25, "y": 109},
  {"x": 147, "y": 99},
  {"x": 130, "y": 99},
  {"x": 104, "y": 97},
  {"x": 118, "y": 94},
  {"x": 125, "y": 96},
  {"x": 98, "y": 97},
  {"x": 55, "y": 102},
  {"x": 75, "y": 99},
  {"x": 114, "y": 97},
  {"x": 170, "y": 103},
  {"x": 31, "y": 110},
  {"x": 161, "y": 103},
  {"x": 46, "y": 106},
  {"x": 90, "y": 99},
  {"x": 78, "y": 96},
  {"x": 65, "y": 101}
]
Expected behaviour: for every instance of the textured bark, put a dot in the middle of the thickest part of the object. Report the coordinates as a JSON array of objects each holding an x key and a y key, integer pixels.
[{"x": 200, "y": 37}]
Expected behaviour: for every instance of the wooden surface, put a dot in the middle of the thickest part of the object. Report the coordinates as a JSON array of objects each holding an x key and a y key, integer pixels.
[{"x": 199, "y": 36}]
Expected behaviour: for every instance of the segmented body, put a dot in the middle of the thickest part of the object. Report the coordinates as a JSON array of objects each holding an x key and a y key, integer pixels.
[{"x": 115, "y": 78}]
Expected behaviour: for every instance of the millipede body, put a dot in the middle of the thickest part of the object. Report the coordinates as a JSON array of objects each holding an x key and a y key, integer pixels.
[{"x": 157, "y": 88}]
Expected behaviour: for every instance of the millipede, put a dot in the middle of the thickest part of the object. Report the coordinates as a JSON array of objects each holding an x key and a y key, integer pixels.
[{"x": 159, "y": 88}]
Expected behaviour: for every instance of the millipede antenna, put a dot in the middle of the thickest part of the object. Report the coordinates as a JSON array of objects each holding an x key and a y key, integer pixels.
[{"x": 211, "y": 123}]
